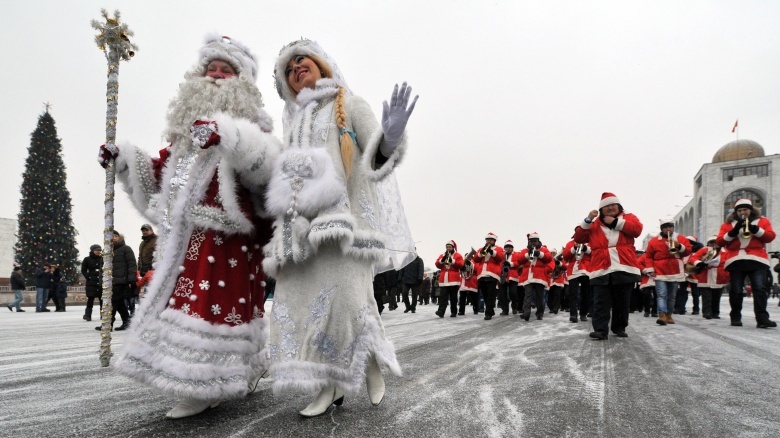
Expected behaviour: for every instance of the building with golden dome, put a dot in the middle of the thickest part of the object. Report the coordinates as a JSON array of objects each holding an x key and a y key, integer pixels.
[{"x": 739, "y": 169}]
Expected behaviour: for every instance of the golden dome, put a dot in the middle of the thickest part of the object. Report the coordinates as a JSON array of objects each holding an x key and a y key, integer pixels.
[{"x": 737, "y": 150}]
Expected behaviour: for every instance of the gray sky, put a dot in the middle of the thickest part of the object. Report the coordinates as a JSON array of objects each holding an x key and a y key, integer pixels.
[{"x": 528, "y": 110}]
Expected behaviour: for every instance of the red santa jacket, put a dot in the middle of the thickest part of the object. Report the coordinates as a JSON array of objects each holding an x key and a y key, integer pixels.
[
  {"x": 450, "y": 276},
  {"x": 646, "y": 266},
  {"x": 470, "y": 283},
  {"x": 576, "y": 268},
  {"x": 514, "y": 264},
  {"x": 560, "y": 280},
  {"x": 714, "y": 275},
  {"x": 490, "y": 263},
  {"x": 667, "y": 266},
  {"x": 536, "y": 271},
  {"x": 752, "y": 248},
  {"x": 612, "y": 250}
]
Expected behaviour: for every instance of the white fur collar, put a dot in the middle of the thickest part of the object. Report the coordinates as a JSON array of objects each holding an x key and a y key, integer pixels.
[{"x": 325, "y": 87}]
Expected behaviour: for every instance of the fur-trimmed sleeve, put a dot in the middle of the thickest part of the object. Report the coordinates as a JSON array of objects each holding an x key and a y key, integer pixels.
[
  {"x": 248, "y": 149},
  {"x": 370, "y": 136},
  {"x": 135, "y": 169}
]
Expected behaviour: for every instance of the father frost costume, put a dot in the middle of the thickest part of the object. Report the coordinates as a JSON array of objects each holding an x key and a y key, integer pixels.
[{"x": 199, "y": 331}]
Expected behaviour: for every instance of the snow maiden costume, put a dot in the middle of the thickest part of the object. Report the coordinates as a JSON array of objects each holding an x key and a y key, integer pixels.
[
  {"x": 334, "y": 229},
  {"x": 199, "y": 331}
]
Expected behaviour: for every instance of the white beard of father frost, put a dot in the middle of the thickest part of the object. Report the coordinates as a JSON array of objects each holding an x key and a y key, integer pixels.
[{"x": 202, "y": 97}]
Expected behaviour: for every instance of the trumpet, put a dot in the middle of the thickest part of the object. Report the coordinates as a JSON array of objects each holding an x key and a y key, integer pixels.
[
  {"x": 484, "y": 250},
  {"x": 579, "y": 251},
  {"x": 673, "y": 248},
  {"x": 746, "y": 234},
  {"x": 506, "y": 266},
  {"x": 447, "y": 259},
  {"x": 531, "y": 250}
]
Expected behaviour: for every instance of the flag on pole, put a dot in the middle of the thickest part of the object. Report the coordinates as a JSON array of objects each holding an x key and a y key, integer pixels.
[{"x": 735, "y": 126}]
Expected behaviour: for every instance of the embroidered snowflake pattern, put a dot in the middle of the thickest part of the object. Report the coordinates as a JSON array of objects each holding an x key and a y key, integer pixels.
[
  {"x": 232, "y": 262},
  {"x": 204, "y": 285},
  {"x": 185, "y": 307},
  {"x": 257, "y": 269},
  {"x": 184, "y": 287},
  {"x": 215, "y": 309},
  {"x": 234, "y": 318},
  {"x": 368, "y": 209},
  {"x": 257, "y": 313},
  {"x": 249, "y": 256},
  {"x": 195, "y": 241},
  {"x": 217, "y": 240}
]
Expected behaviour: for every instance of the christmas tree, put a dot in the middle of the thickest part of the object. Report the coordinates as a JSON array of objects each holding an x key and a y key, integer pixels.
[{"x": 45, "y": 229}]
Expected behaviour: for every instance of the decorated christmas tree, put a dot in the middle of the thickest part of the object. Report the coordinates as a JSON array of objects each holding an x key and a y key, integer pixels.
[{"x": 45, "y": 229}]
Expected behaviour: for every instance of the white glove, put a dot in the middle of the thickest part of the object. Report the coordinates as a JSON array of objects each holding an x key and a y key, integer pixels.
[{"x": 394, "y": 118}]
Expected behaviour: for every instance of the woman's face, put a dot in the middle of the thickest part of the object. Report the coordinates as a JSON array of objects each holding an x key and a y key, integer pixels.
[{"x": 302, "y": 72}]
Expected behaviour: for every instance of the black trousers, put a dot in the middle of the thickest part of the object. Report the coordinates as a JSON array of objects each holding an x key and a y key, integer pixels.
[
  {"x": 487, "y": 286},
  {"x": 507, "y": 293},
  {"x": 405, "y": 292},
  {"x": 650, "y": 299},
  {"x": 90, "y": 303},
  {"x": 378, "y": 297},
  {"x": 533, "y": 291},
  {"x": 118, "y": 304},
  {"x": 614, "y": 299},
  {"x": 554, "y": 299},
  {"x": 579, "y": 296},
  {"x": 758, "y": 280},
  {"x": 448, "y": 294},
  {"x": 710, "y": 301}
]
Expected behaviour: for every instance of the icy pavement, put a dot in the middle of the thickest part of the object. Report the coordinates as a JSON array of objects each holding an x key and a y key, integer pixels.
[{"x": 462, "y": 377}]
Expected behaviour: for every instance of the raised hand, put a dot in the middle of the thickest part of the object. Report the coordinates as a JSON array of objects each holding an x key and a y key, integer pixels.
[
  {"x": 395, "y": 115},
  {"x": 204, "y": 133}
]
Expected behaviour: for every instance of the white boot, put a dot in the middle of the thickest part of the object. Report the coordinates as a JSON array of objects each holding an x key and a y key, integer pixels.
[
  {"x": 189, "y": 407},
  {"x": 374, "y": 382},
  {"x": 328, "y": 395},
  {"x": 253, "y": 384}
]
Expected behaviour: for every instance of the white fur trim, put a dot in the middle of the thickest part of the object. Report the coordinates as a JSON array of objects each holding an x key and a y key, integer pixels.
[
  {"x": 249, "y": 150},
  {"x": 339, "y": 227},
  {"x": 231, "y": 51},
  {"x": 134, "y": 170},
  {"x": 361, "y": 118},
  {"x": 609, "y": 200}
]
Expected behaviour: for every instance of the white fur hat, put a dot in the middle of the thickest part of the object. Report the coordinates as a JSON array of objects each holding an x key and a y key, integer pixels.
[
  {"x": 608, "y": 198},
  {"x": 743, "y": 203},
  {"x": 454, "y": 245},
  {"x": 509, "y": 243},
  {"x": 229, "y": 50},
  {"x": 491, "y": 236},
  {"x": 533, "y": 235}
]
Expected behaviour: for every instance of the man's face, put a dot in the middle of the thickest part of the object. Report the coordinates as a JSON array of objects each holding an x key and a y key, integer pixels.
[
  {"x": 534, "y": 242},
  {"x": 449, "y": 248},
  {"x": 219, "y": 69},
  {"x": 611, "y": 210},
  {"x": 743, "y": 212},
  {"x": 115, "y": 239},
  {"x": 492, "y": 242},
  {"x": 508, "y": 249},
  {"x": 146, "y": 232},
  {"x": 668, "y": 229}
]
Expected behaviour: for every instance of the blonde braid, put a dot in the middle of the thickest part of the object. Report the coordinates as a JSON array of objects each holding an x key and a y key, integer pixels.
[{"x": 347, "y": 147}]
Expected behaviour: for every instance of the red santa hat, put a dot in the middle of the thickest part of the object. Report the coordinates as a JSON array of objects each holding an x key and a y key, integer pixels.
[
  {"x": 454, "y": 245},
  {"x": 229, "y": 50},
  {"x": 608, "y": 198},
  {"x": 509, "y": 243},
  {"x": 743, "y": 203},
  {"x": 491, "y": 236},
  {"x": 533, "y": 235}
]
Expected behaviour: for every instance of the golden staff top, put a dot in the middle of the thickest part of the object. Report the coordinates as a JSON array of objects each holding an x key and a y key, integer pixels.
[{"x": 114, "y": 41}]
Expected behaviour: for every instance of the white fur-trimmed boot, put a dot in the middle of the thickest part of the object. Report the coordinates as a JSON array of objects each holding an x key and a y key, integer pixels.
[
  {"x": 375, "y": 383},
  {"x": 189, "y": 407},
  {"x": 253, "y": 384},
  {"x": 329, "y": 395}
]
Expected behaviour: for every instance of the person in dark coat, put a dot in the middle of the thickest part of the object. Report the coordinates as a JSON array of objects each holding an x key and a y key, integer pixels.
[
  {"x": 379, "y": 291},
  {"x": 42, "y": 285},
  {"x": 92, "y": 270},
  {"x": 425, "y": 290},
  {"x": 411, "y": 277},
  {"x": 391, "y": 286},
  {"x": 124, "y": 278},
  {"x": 59, "y": 288},
  {"x": 17, "y": 285}
]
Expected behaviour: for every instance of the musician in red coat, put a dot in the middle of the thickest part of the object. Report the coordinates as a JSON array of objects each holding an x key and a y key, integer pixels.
[
  {"x": 492, "y": 258},
  {"x": 449, "y": 264},
  {"x": 709, "y": 263},
  {"x": 745, "y": 235},
  {"x": 468, "y": 285},
  {"x": 577, "y": 257},
  {"x": 535, "y": 275},
  {"x": 610, "y": 232},
  {"x": 507, "y": 290}
]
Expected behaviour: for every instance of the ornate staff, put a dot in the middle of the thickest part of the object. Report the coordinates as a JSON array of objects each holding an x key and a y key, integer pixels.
[{"x": 114, "y": 41}]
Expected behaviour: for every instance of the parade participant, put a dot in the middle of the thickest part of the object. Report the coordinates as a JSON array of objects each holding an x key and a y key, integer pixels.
[
  {"x": 557, "y": 269},
  {"x": 744, "y": 235},
  {"x": 534, "y": 275},
  {"x": 708, "y": 269},
  {"x": 468, "y": 285},
  {"x": 577, "y": 258},
  {"x": 507, "y": 290},
  {"x": 92, "y": 270},
  {"x": 681, "y": 300},
  {"x": 449, "y": 263},
  {"x": 610, "y": 233},
  {"x": 199, "y": 332},
  {"x": 647, "y": 286},
  {"x": 666, "y": 252},
  {"x": 491, "y": 259},
  {"x": 17, "y": 286},
  {"x": 410, "y": 277},
  {"x": 337, "y": 210}
]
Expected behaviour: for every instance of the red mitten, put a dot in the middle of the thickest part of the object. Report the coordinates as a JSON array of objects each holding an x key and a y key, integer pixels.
[
  {"x": 105, "y": 155},
  {"x": 204, "y": 133}
]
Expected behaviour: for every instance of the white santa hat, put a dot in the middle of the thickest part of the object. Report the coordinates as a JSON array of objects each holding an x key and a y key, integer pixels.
[
  {"x": 664, "y": 222},
  {"x": 509, "y": 243},
  {"x": 743, "y": 203},
  {"x": 692, "y": 238},
  {"x": 454, "y": 245},
  {"x": 533, "y": 235},
  {"x": 608, "y": 198},
  {"x": 216, "y": 46},
  {"x": 491, "y": 236}
]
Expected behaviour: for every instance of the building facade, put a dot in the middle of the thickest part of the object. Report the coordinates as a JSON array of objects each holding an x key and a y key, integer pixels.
[{"x": 7, "y": 243}]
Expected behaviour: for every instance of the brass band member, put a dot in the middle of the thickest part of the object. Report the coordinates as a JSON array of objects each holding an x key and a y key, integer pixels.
[
  {"x": 492, "y": 258},
  {"x": 557, "y": 269},
  {"x": 577, "y": 257},
  {"x": 535, "y": 276},
  {"x": 507, "y": 290},
  {"x": 449, "y": 263},
  {"x": 745, "y": 235},
  {"x": 666, "y": 252},
  {"x": 708, "y": 269}
]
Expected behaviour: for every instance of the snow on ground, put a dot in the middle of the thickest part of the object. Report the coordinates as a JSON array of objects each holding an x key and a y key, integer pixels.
[{"x": 462, "y": 377}]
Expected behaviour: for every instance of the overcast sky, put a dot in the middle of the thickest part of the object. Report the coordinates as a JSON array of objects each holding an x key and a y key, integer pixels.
[{"x": 528, "y": 110}]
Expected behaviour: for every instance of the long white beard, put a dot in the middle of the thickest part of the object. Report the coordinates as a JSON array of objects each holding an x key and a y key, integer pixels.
[{"x": 202, "y": 97}]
